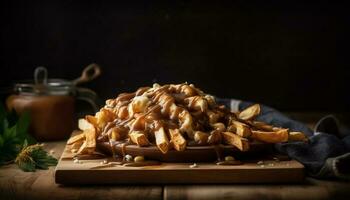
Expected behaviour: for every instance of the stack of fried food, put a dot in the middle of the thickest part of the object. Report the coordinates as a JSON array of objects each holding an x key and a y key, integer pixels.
[{"x": 174, "y": 116}]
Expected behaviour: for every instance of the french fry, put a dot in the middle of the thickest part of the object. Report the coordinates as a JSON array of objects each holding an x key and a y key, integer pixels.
[
  {"x": 123, "y": 112},
  {"x": 219, "y": 126},
  {"x": 139, "y": 138},
  {"x": 250, "y": 112},
  {"x": 75, "y": 146},
  {"x": 271, "y": 136},
  {"x": 89, "y": 144},
  {"x": 117, "y": 133},
  {"x": 137, "y": 105},
  {"x": 76, "y": 138},
  {"x": 261, "y": 126},
  {"x": 297, "y": 136},
  {"x": 201, "y": 137},
  {"x": 197, "y": 103},
  {"x": 239, "y": 128},
  {"x": 162, "y": 140},
  {"x": 177, "y": 140},
  {"x": 214, "y": 137},
  {"x": 103, "y": 117},
  {"x": 235, "y": 140},
  {"x": 138, "y": 124},
  {"x": 91, "y": 119},
  {"x": 83, "y": 124},
  {"x": 184, "y": 111}
]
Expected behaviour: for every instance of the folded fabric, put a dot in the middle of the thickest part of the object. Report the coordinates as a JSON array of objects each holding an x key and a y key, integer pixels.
[{"x": 326, "y": 155}]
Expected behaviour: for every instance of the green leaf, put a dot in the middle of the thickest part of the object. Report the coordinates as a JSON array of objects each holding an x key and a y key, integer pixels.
[
  {"x": 12, "y": 117},
  {"x": 1, "y": 142},
  {"x": 3, "y": 115},
  {"x": 34, "y": 156},
  {"x": 23, "y": 123},
  {"x": 2, "y": 112},
  {"x": 10, "y": 133},
  {"x": 25, "y": 144},
  {"x": 13, "y": 132},
  {"x": 4, "y": 126},
  {"x": 28, "y": 166}
]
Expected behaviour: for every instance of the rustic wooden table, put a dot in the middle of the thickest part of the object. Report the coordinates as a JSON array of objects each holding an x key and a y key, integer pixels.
[{"x": 15, "y": 184}]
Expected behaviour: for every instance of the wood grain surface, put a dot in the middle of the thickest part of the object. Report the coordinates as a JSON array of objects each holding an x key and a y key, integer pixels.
[
  {"x": 15, "y": 184},
  {"x": 309, "y": 189}
]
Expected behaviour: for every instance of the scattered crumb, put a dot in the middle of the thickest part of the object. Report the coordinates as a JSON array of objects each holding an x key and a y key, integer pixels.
[
  {"x": 76, "y": 161},
  {"x": 271, "y": 164},
  {"x": 128, "y": 157},
  {"x": 260, "y": 162},
  {"x": 276, "y": 159},
  {"x": 194, "y": 165},
  {"x": 262, "y": 165},
  {"x": 229, "y": 158},
  {"x": 104, "y": 162}
]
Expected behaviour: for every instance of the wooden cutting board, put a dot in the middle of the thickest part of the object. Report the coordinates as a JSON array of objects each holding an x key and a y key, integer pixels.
[{"x": 70, "y": 173}]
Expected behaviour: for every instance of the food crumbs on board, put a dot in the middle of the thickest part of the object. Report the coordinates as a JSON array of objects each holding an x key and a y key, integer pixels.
[
  {"x": 194, "y": 165},
  {"x": 76, "y": 161},
  {"x": 229, "y": 158},
  {"x": 276, "y": 159},
  {"x": 128, "y": 158},
  {"x": 139, "y": 159},
  {"x": 260, "y": 162}
]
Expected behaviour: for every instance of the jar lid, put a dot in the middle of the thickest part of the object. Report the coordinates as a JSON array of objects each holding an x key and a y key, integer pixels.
[{"x": 44, "y": 86}]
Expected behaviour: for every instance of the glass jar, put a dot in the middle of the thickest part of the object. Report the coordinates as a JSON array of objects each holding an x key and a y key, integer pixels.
[{"x": 51, "y": 103}]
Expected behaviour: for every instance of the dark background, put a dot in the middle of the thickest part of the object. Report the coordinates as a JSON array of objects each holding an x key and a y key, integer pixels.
[{"x": 292, "y": 56}]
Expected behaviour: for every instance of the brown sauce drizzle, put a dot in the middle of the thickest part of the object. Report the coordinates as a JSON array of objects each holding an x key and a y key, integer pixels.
[{"x": 142, "y": 164}]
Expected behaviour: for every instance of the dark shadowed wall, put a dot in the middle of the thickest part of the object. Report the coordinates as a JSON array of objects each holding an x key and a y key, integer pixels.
[{"x": 292, "y": 56}]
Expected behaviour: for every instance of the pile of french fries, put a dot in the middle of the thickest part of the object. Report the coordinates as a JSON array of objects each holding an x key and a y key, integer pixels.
[{"x": 173, "y": 117}]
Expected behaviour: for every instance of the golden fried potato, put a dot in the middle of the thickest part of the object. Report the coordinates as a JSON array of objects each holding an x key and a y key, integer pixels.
[
  {"x": 79, "y": 137},
  {"x": 197, "y": 103},
  {"x": 179, "y": 113},
  {"x": 139, "y": 138},
  {"x": 261, "y": 126},
  {"x": 214, "y": 137},
  {"x": 201, "y": 137},
  {"x": 297, "y": 136},
  {"x": 162, "y": 140},
  {"x": 239, "y": 128},
  {"x": 272, "y": 136},
  {"x": 89, "y": 144},
  {"x": 92, "y": 120},
  {"x": 177, "y": 140},
  {"x": 138, "y": 105},
  {"x": 117, "y": 133},
  {"x": 103, "y": 117},
  {"x": 235, "y": 140},
  {"x": 249, "y": 113},
  {"x": 219, "y": 126}
]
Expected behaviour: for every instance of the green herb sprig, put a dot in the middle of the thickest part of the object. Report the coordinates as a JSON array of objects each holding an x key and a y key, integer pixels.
[
  {"x": 16, "y": 145},
  {"x": 34, "y": 156}
]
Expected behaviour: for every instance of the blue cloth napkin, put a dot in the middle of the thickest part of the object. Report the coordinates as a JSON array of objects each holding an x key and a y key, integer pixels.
[{"x": 326, "y": 155}]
